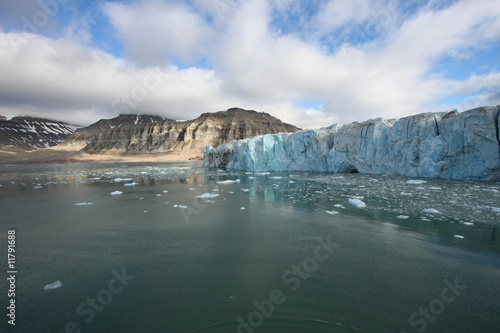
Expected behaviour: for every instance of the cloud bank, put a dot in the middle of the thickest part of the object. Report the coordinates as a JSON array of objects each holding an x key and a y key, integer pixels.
[{"x": 310, "y": 63}]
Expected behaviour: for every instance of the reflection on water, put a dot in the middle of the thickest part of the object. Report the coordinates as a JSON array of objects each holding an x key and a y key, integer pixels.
[{"x": 215, "y": 263}]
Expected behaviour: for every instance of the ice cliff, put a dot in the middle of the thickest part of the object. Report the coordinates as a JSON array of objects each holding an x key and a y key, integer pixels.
[{"x": 456, "y": 145}]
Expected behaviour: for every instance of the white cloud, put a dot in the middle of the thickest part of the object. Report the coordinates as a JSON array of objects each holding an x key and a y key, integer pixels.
[
  {"x": 253, "y": 63},
  {"x": 158, "y": 31}
]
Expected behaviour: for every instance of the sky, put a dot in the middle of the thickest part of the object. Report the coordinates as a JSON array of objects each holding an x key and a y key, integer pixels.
[{"x": 311, "y": 63}]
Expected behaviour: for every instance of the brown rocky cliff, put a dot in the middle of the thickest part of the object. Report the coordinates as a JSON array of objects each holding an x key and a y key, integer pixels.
[{"x": 139, "y": 134}]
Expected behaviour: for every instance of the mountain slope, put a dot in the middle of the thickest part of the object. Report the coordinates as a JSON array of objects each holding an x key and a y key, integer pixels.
[
  {"x": 30, "y": 133},
  {"x": 131, "y": 134}
]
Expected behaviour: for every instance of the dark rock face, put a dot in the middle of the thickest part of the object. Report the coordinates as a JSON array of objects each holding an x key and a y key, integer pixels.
[
  {"x": 137, "y": 134},
  {"x": 33, "y": 133}
]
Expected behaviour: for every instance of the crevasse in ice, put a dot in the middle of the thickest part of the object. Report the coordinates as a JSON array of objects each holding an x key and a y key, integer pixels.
[{"x": 456, "y": 145}]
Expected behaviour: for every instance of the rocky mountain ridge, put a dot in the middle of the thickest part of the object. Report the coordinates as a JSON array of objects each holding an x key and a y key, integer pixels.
[
  {"x": 142, "y": 134},
  {"x": 30, "y": 133}
]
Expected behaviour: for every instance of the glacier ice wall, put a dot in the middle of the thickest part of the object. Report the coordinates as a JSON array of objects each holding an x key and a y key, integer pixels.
[{"x": 456, "y": 145}]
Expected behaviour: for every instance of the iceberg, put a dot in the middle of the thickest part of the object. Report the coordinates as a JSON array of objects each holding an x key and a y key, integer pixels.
[
  {"x": 53, "y": 285},
  {"x": 453, "y": 145}
]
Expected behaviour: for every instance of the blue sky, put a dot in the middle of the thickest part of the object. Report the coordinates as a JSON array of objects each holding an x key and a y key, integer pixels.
[{"x": 311, "y": 63}]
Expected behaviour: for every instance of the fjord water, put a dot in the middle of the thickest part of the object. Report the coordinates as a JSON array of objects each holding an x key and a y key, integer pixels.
[{"x": 261, "y": 252}]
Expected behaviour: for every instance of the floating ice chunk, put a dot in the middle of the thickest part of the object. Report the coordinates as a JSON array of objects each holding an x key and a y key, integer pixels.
[
  {"x": 231, "y": 192},
  {"x": 246, "y": 190},
  {"x": 339, "y": 206},
  {"x": 416, "y": 181},
  {"x": 130, "y": 184},
  {"x": 276, "y": 177},
  {"x": 248, "y": 173},
  {"x": 175, "y": 206},
  {"x": 191, "y": 189},
  {"x": 262, "y": 173},
  {"x": 425, "y": 219},
  {"x": 119, "y": 180},
  {"x": 406, "y": 194},
  {"x": 491, "y": 190},
  {"x": 116, "y": 193},
  {"x": 183, "y": 207},
  {"x": 53, "y": 285},
  {"x": 229, "y": 181},
  {"x": 402, "y": 217},
  {"x": 357, "y": 203},
  {"x": 331, "y": 212},
  {"x": 252, "y": 177},
  {"x": 158, "y": 195},
  {"x": 84, "y": 203},
  {"x": 459, "y": 236},
  {"x": 38, "y": 186},
  {"x": 495, "y": 210},
  {"x": 467, "y": 223},
  {"x": 431, "y": 211},
  {"x": 434, "y": 188},
  {"x": 207, "y": 195},
  {"x": 165, "y": 191},
  {"x": 291, "y": 182},
  {"x": 209, "y": 201},
  {"x": 242, "y": 208},
  {"x": 95, "y": 178}
]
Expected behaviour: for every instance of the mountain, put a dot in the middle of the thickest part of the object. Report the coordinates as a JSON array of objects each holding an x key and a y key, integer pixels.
[
  {"x": 457, "y": 145},
  {"x": 30, "y": 133},
  {"x": 140, "y": 134}
]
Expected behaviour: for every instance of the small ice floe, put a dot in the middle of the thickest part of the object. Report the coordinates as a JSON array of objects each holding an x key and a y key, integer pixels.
[
  {"x": 425, "y": 219},
  {"x": 252, "y": 177},
  {"x": 84, "y": 204},
  {"x": 331, "y": 212},
  {"x": 415, "y": 181},
  {"x": 468, "y": 223},
  {"x": 248, "y": 173},
  {"x": 116, "y": 193},
  {"x": 431, "y": 211},
  {"x": 130, "y": 184},
  {"x": 165, "y": 191},
  {"x": 291, "y": 182},
  {"x": 276, "y": 177},
  {"x": 459, "y": 236},
  {"x": 339, "y": 206},
  {"x": 495, "y": 210},
  {"x": 434, "y": 188},
  {"x": 225, "y": 182},
  {"x": 207, "y": 195},
  {"x": 491, "y": 190},
  {"x": 357, "y": 203},
  {"x": 209, "y": 201},
  {"x": 119, "y": 180},
  {"x": 262, "y": 173},
  {"x": 38, "y": 186},
  {"x": 231, "y": 192},
  {"x": 158, "y": 195},
  {"x": 53, "y": 285},
  {"x": 180, "y": 206},
  {"x": 406, "y": 194},
  {"x": 402, "y": 217},
  {"x": 95, "y": 178},
  {"x": 246, "y": 190},
  {"x": 191, "y": 189},
  {"x": 242, "y": 208}
]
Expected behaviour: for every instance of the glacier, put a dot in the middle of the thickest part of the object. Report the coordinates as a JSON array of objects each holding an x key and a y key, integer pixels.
[{"x": 453, "y": 145}]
